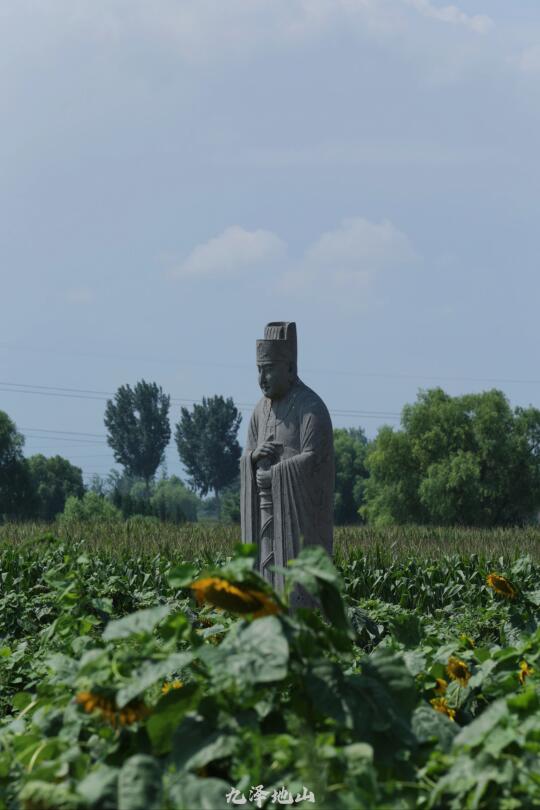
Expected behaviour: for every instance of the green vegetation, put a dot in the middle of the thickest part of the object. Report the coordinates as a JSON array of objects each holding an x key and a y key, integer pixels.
[
  {"x": 350, "y": 448},
  {"x": 91, "y": 508},
  {"x": 53, "y": 480},
  {"x": 468, "y": 460},
  {"x": 16, "y": 493},
  {"x": 417, "y": 686},
  {"x": 207, "y": 442},
  {"x": 138, "y": 428},
  {"x": 168, "y": 499}
]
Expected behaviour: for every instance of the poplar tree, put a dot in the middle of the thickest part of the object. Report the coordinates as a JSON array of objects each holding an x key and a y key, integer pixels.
[
  {"x": 138, "y": 428},
  {"x": 208, "y": 446}
]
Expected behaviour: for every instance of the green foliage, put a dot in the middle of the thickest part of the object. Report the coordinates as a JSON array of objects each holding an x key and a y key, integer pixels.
[
  {"x": 91, "y": 507},
  {"x": 230, "y": 503},
  {"x": 173, "y": 502},
  {"x": 53, "y": 481},
  {"x": 208, "y": 445},
  {"x": 138, "y": 428},
  {"x": 167, "y": 499},
  {"x": 16, "y": 496},
  {"x": 350, "y": 447},
  {"x": 468, "y": 460},
  {"x": 92, "y": 643}
]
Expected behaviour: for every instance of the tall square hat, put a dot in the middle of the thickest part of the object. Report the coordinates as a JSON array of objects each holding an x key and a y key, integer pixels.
[{"x": 279, "y": 343}]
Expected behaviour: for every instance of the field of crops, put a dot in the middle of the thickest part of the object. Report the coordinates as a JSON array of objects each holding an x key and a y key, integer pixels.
[{"x": 148, "y": 668}]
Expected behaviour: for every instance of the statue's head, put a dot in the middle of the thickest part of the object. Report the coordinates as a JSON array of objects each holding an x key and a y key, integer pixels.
[
  {"x": 276, "y": 378},
  {"x": 276, "y": 359}
]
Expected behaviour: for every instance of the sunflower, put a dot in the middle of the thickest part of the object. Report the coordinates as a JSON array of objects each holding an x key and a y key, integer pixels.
[
  {"x": 440, "y": 689},
  {"x": 234, "y": 598},
  {"x": 133, "y": 712},
  {"x": 458, "y": 671},
  {"x": 524, "y": 671},
  {"x": 440, "y": 704},
  {"x": 501, "y": 586},
  {"x": 168, "y": 685}
]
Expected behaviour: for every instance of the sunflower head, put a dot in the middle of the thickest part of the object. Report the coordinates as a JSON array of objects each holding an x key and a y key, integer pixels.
[
  {"x": 235, "y": 598},
  {"x": 90, "y": 702},
  {"x": 440, "y": 689},
  {"x": 440, "y": 704},
  {"x": 168, "y": 685},
  {"x": 524, "y": 671},
  {"x": 501, "y": 586},
  {"x": 458, "y": 670}
]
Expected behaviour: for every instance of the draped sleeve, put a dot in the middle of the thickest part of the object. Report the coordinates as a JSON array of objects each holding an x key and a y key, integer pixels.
[
  {"x": 249, "y": 513},
  {"x": 303, "y": 486}
]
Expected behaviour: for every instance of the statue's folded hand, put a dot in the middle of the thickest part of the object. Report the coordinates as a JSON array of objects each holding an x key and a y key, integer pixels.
[
  {"x": 268, "y": 450},
  {"x": 264, "y": 479}
]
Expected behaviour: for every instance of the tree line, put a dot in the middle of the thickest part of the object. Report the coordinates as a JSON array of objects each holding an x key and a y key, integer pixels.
[{"x": 469, "y": 460}]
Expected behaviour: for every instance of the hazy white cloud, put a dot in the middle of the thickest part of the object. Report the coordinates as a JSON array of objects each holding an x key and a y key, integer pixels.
[
  {"x": 349, "y": 258},
  {"x": 529, "y": 59},
  {"x": 234, "y": 252},
  {"x": 344, "y": 260},
  {"x": 80, "y": 295},
  {"x": 452, "y": 14},
  {"x": 200, "y": 31}
]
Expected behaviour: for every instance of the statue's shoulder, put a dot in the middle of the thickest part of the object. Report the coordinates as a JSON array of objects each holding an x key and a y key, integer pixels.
[
  {"x": 260, "y": 407},
  {"x": 310, "y": 401}
]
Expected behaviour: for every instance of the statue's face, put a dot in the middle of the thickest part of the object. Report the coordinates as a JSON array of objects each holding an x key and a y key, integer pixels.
[{"x": 275, "y": 378}]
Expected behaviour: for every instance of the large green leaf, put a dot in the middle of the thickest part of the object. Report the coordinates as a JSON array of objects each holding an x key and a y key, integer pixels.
[
  {"x": 99, "y": 789},
  {"x": 149, "y": 673},
  {"x": 476, "y": 732},
  {"x": 40, "y": 794},
  {"x": 313, "y": 570},
  {"x": 324, "y": 684},
  {"x": 388, "y": 672},
  {"x": 139, "y": 784},
  {"x": 181, "y": 576},
  {"x": 197, "y": 742},
  {"x": 257, "y": 652},
  {"x": 382, "y": 699},
  {"x": 168, "y": 714},
  {"x": 142, "y": 622},
  {"x": 429, "y": 725},
  {"x": 311, "y": 564},
  {"x": 188, "y": 791},
  {"x": 406, "y": 628}
]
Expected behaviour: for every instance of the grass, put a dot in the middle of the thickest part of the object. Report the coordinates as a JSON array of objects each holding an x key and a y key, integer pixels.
[{"x": 214, "y": 539}]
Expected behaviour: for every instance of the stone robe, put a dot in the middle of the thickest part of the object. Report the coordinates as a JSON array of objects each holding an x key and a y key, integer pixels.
[{"x": 302, "y": 489}]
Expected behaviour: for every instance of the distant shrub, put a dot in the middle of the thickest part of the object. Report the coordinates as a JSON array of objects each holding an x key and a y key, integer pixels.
[
  {"x": 91, "y": 507},
  {"x": 173, "y": 502},
  {"x": 230, "y": 504}
]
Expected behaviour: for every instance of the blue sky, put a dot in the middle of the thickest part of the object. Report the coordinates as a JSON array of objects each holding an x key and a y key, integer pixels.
[{"x": 176, "y": 173}]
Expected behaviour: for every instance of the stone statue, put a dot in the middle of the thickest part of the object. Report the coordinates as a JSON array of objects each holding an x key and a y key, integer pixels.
[{"x": 287, "y": 469}]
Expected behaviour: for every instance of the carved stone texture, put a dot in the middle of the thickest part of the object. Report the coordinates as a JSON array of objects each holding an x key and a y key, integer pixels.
[{"x": 287, "y": 468}]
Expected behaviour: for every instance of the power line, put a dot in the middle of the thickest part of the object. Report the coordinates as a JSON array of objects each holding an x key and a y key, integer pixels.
[
  {"x": 65, "y": 439},
  {"x": 306, "y": 370},
  {"x": 25, "y": 388},
  {"x": 69, "y": 432}
]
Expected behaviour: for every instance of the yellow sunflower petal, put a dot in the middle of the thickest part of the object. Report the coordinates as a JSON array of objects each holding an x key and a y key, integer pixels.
[
  {"x": 501, "y": 586},
  {"x": 458, "y": 670},
  {"x": 440, "y": 704}
]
